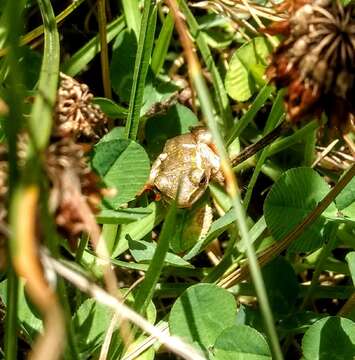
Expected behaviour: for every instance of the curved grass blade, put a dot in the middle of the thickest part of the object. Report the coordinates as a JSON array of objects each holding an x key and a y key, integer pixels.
[
  {"x": 232, "y": 187},
  {"x": 152, "y": 275},
  {"x": 84, "y": 55},
  {"x": 162, "y": 44},
  {"x": 12, "y": 22},
  {"x": 40, "y": 122},
  {"x": 259, "y": 101},
  {"x": 220, "y": 92},
  {"x": 275, "y": 115}
]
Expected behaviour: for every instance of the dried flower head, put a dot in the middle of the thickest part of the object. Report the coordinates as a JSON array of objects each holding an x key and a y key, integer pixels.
[
  {"x": 75, "y": 114},
  {"x": 73, "y": 183},
  {"x": 316, "y": 60},
  {"x": 74, "y": 188}
]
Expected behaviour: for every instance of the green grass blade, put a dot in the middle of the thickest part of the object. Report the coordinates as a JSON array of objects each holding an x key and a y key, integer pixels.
[
  {"x": 282, "y": 144},
  {"x": 274, "y": 118},
  {"x": 10, "y": 343},
  {"x": 207, "y": 109},
  {"x": 85, "y": 54},
  {"x": 241, "y": 221},
  {"x": 40, "y": 122},
  {"x": 293, "y": 139},
  {"x": 259, "y": 101},
  {"x": 146, "y": 291},
  {"x": 218, "y": 85},
  {"x": 105, "y": 71},
  {"x": 13, "y": 21},
  {"x": 132, "y": 15},
  {"x": 162, "y": 44},
  {"x": 38, "y": 31},
  {"x": 144, "y": 50}
]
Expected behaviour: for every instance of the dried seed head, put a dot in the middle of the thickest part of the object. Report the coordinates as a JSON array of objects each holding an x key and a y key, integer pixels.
[
  {"x": 75, "y": 114},
  {"x": 74, "y": 192},
  {"x": 72, "y": 183},
  {"x": 317, "y": 60}
]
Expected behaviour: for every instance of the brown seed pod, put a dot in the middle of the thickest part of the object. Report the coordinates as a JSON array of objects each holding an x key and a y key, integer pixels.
[
  {"x": 73, "y": 183},
  {"x": 75, "y": 114},
  {"x": 316, "y": 61},
  {"x": 74, "y": 191}
]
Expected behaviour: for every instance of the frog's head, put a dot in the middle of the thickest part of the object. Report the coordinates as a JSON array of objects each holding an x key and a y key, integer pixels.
[
  {"x": 185, "y": 167},
  {"x": 192, "y": 187},
  {"x": 186, "y": 187}
]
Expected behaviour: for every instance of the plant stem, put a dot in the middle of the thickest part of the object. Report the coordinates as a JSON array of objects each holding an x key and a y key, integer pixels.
[
  {"x": 331, "y": 232},
  {"x": 274, "y": 250},
  {"x": 12, "y": 24},
  {"x": 232, "y": 187},
  {"x": 144, "y": 50},
  {"x": 146, "y": 291},
  {"x": 261, "y": 144},
  {"x": 222, "y": 100},
  {"x": 40, "y": 121},
  {"x": 274, "y": 117},
  {"x": 101, "y": 9},
  {"x": 10, "y": 342},
  {"x": 38, "y": 31},
  {"x": 309, "y": 149}
]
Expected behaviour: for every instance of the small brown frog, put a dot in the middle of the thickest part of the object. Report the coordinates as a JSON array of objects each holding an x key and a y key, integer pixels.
[{"x": 185, "y": 167}]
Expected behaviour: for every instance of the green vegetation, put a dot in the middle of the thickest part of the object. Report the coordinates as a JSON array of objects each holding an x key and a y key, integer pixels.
[{"x": 97, "y": 259}]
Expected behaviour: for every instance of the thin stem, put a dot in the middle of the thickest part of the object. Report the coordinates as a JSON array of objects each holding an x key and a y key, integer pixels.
[
  {"x": 232, "y": 187},
  {"x": 348, "y": 306},
  {"x": 261, "y": 144},
  {"x": 11, "y": 316},
  {"x": 146, "y": 291},
  {"x": 222, "y": 99},
  {"x": 309, "y": 149},
  {"x": 13, "y": 23},
  {"x": 38, "y": 31},
  {"x": 276, "y": 249},
  {"x": 101, "y": 7},
  {"x": 327, "y": 248},
  {"x": 143, "y": 56},
  {"x": 123, "y": 311},
  {"x": 275, "y": 115}
]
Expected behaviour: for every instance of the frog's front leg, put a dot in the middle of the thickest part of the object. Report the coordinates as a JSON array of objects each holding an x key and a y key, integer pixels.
[{"x": 154, "y": 172}]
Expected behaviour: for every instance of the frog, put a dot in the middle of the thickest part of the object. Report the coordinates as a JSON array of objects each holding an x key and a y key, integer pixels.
[{"x": 185, "y": 167}]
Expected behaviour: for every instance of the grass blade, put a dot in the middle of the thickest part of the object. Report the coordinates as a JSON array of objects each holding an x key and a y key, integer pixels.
[
  {"x": 132, "y": 15},
  {"x": 84, "y": 55},
  {"x": 162, "y": 44},
  {"x": 144, "y": 50},
  {"x": 13, "y": 21},
  {"x": 259, "y": 101},
  {"x": 231, "y": 184},
  {"x": 273, "y": 119},
  {"x": 147, "y": 288},
  {"x": 101, "y": 10},
  {"x": 40, "y": 122},
  {"x": 220, "y": 92}
]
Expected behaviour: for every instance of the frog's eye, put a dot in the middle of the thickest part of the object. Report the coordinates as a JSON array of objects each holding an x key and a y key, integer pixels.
[{"x": 203, "y": 180}]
